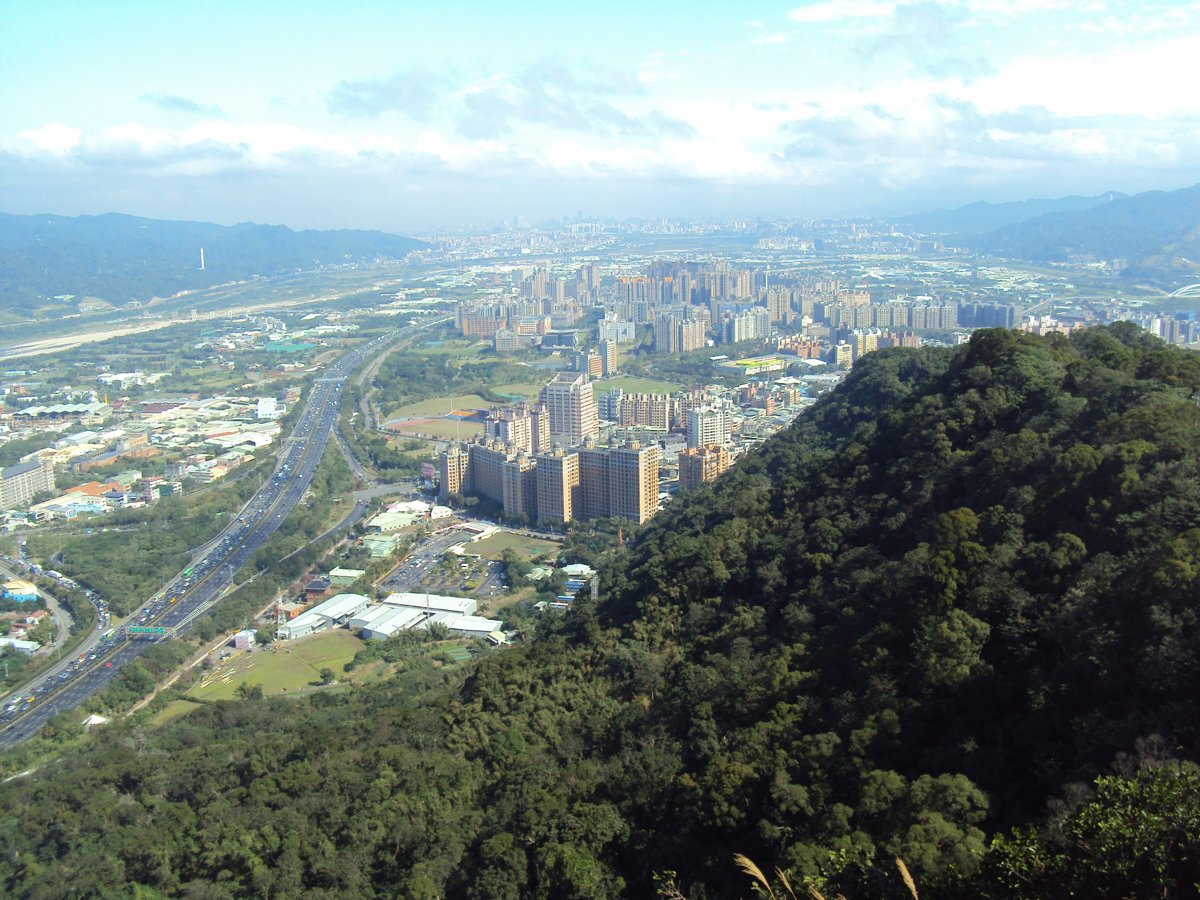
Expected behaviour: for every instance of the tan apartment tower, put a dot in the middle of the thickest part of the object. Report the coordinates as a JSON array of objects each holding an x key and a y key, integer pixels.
[
  {"x": 619, "y": 481},
  {"x": 571, "y": 406},
  {"x": 558, "y": 487},
  {"x": 700, "y": 464},
  {"x": 452, "y": 471}
]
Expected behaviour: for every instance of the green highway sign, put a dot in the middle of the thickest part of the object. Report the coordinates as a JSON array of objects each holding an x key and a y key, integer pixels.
[{"x": 146, "y": 629}]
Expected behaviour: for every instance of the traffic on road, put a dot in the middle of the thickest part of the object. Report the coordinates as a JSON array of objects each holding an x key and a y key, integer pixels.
[{"x": 201, "y": 584}]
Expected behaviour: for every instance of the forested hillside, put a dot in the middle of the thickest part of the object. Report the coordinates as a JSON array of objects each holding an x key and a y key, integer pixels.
[{"x": 935, "y": 610}]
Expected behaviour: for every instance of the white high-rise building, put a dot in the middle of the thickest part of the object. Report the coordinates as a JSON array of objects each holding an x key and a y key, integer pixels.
[
  {"x": 708, "y": 425},
  {"x": 572, "y": 408}
]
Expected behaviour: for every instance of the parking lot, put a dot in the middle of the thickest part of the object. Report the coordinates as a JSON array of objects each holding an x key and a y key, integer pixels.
[{"x": 430, "y": 567}]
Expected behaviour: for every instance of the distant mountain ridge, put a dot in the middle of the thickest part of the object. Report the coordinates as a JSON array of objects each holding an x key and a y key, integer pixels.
[
  {"x": 1154, "y": 231},
  {"x": 981, "y": 217},
  {"x": 119, "y": 258}
]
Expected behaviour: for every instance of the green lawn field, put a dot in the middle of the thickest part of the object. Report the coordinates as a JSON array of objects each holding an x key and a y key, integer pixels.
[
  {"x": 285, "y": 666},
  {"x": 440, "y": 406},
  {"x": 528, "y": 389},
  {"x": 174, "y": 710},
  {"x": 492, "y": 547},
  {"x": 439, "y": 428}
]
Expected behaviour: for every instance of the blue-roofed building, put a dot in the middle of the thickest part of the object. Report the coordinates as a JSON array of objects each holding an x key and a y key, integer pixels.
[{"x": 20, "y": 591}]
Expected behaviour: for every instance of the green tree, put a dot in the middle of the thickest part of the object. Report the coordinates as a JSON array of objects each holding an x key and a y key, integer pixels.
[{"x": 1136, "y": 837}]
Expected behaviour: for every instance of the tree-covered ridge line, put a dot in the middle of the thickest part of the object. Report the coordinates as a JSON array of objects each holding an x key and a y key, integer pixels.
[
  {"x": 963, "y": 586},
  {"x": 977, "y": 567}
]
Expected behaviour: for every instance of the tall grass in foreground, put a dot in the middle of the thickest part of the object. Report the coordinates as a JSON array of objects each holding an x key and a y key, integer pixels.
[{"x": 763, "y": 884}]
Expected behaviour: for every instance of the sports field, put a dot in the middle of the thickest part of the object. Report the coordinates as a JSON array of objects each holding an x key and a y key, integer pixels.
[{"x": 454, "y": 348}]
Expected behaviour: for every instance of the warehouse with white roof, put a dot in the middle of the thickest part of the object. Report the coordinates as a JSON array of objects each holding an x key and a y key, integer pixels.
[
  {"x": 463, "y": 606},
  {"x": 335, "y": 611},
  {"x": 399, "y": 612},
  {"x": 393, "y": 619}
]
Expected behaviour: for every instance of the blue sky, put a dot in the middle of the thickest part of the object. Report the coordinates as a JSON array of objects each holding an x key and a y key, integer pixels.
[{"x": 405, "y": 115}]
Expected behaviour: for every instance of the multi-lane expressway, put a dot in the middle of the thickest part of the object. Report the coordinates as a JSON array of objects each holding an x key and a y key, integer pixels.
[{"x": 189, "y": 595}]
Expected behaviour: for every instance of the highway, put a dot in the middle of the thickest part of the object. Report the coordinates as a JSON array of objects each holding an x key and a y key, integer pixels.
[{"x": 189, "y": 595}]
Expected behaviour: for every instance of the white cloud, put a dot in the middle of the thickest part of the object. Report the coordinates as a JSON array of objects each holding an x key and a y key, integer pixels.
[
  {"x": 54, "y": 138},
  {"x": 857, "y": 121},
  {"x": 573, "y": 159},
  {"x": 721, "y": 159},
  {"x": 837, "y": 10},
  {"x": 658, "y": 66},
  {"x": 463, "y": 154},
  {"x": 221, "y": 143},
  {"x": 1016, "y": 8},
  {"x": 828, "y": 11},
  {"x": 1155, "y": 79}
]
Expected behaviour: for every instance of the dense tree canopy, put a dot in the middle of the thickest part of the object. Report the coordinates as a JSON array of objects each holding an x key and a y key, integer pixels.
[{"x": 963, "y": 586}]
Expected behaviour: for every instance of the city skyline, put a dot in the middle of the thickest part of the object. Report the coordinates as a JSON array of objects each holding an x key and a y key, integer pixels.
[{"x": 372, "y": 116}]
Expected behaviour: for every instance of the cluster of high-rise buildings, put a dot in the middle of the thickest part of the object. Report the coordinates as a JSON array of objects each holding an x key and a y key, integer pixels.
[
  {"x": 687, "y": 305},
  {"x": 536, "y": 306},
  {"x": 700, "y": 464},
  {"x": 545, "y": 461},
  {"x": 1182, "y": 329},
  {"x": 557, "y": 485},
  {"x": 542, "y": 461},
  {"x": 600, "y": 361},
  {"x": 649, "y": 410}
]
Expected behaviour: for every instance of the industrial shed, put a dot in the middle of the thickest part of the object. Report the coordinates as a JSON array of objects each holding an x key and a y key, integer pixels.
[
  {"x": 463, "y": 606},
  {"x": 335, "y": 611}
]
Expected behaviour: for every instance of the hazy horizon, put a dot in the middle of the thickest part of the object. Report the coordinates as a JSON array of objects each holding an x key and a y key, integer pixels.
[{"x": 368, "y": 116}]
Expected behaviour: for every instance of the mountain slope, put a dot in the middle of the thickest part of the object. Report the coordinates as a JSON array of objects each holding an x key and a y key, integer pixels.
[
  {"x": 968, "y": 572},
  {"x": 981, "y": 217},
  {"x": 120, "y": 258},
  {"x": 965, "y": 582}
]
